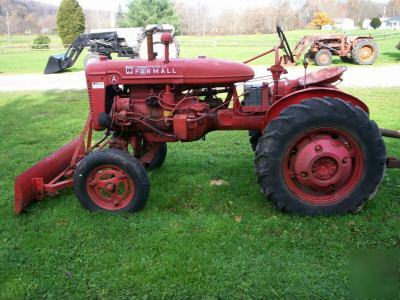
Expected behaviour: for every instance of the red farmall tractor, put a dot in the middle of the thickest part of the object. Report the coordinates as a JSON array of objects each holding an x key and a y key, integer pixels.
[{"x": 317, "y": 151}]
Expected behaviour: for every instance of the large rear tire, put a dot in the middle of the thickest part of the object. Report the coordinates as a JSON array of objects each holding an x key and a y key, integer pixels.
[
  {"x": 320, "y": 157},
  {"x": 111, "y": 180},
  {"x": 365, "y": 52}
]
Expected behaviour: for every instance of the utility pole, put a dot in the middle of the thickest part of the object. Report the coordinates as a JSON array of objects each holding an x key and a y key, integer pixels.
[
  {"x": 8, "y": 23},
  {"x": 235, "y": 20}
]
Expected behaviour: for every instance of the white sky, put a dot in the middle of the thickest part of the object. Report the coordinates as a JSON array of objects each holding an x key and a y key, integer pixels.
[{"x": 216, "y": 4}]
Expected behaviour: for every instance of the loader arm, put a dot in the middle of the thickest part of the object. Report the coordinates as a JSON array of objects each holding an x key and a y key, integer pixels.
[
  {"x": 103, "y": 43},
  {"x": 301, "y": 46}
]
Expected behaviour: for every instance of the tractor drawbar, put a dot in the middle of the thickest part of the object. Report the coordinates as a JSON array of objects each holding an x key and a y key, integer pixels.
[{"x": 391, "y": 162}]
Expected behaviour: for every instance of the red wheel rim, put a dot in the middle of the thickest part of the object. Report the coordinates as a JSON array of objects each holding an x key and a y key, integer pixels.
[
  {"x": 110, "y": 187},
  {"x": 323, "y": 166}
]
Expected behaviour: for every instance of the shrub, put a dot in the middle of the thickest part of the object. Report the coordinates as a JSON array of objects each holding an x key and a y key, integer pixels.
[
  {"x": 41, "y": 42},
  {"x": 376, "y": 23},
  {"x": 320, "y": 19},
  {"x": 398, "y": 46}
]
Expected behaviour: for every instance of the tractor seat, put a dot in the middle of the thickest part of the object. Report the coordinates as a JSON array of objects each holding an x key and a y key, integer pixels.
[{"x": 323, "y": 76}]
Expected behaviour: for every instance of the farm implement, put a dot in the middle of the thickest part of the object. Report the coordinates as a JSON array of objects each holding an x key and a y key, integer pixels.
[
  {"x": 361, "y": 50},
  {"x": 124, "y": 42},
  {"x": 317, "y": 152}
]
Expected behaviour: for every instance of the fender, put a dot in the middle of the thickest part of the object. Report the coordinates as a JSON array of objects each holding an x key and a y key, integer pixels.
[{"x": 317, "y": 92}]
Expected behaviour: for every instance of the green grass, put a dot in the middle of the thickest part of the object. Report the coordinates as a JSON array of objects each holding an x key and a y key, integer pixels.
[
  {"x": 31, "y": 61},
  {"x": 187, "y": 242}
]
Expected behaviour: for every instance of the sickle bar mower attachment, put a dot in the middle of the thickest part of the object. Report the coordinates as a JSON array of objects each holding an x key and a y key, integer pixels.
[{"x": 51, "y": 174}]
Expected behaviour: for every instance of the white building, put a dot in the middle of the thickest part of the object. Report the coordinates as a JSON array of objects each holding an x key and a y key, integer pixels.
[
  {"x": 366, "y": 24},
  {"x": 344, "y": 23},
  {"x": 392, "y": 23}
]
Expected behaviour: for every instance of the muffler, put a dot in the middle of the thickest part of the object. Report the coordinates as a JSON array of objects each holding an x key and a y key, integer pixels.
[{"x": 48, "y": 176}]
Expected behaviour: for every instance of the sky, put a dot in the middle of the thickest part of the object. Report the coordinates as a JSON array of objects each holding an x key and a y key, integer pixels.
[{"x": 220, "y": 4}]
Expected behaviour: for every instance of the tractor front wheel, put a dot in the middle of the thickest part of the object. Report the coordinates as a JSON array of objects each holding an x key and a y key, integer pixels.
[
  {"x": 159, "y": 156},
  {"x": 323, "y": 57},
  {"x": 320, "y": 157},
  {"x": 111, "y": 180}
]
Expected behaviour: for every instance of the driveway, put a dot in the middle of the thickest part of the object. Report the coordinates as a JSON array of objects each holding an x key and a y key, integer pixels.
[{"x": 368, "y": 76}]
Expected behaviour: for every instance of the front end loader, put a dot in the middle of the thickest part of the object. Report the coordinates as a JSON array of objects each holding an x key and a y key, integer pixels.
[{"x": 124, "y": 42}]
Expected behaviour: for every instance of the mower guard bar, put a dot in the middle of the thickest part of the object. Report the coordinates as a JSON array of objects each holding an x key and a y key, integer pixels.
[{"x": 44, "y": 176}]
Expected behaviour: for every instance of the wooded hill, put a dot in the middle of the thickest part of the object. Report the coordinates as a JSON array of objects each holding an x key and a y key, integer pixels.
[{"x": 26, "y": 16}]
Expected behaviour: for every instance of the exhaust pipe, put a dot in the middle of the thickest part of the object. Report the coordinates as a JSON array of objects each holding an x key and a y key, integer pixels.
[
  {"x": 150, "y": 47},
  {"x": 150, "y": 42}
]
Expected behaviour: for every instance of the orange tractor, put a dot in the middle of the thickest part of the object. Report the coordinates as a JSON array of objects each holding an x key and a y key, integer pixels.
[{"x": 361, "y": 50}]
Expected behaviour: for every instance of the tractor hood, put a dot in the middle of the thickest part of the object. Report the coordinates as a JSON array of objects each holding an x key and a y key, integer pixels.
[{"x": 201, "y": 71}]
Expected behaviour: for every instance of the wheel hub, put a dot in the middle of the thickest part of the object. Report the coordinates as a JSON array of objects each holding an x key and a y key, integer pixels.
[
  {"x": 110, "y": 188},
  {"x": 324, "y": 168},
  {"x": 366, "y": 53},
  {"x": 322, "y": 162},
  {"x": 324, "y": 58}
]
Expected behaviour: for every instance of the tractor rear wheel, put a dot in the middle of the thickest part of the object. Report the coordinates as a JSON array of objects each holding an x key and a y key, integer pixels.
[
  {"x": 111, "y": 180},
  {"x": 320, "y": 157},
  {"x": 323, "y": 57},
  {"x": 365, "y": 52}
]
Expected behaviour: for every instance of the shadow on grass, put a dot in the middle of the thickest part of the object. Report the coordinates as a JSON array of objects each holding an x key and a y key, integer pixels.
[{"x": 393, "y": 55}]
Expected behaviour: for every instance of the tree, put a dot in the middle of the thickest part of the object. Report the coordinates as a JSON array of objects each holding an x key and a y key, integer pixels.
[
  {"x": 320, "y": 19},
  {"x": 394, "y": 8},
  {"x": 4, "y": 10},
  {"x": 144, "y": 12},
  {"x": 398, "y": 46},
  {"x": 375, "y": 23},
  {"x": 70, "y": 21}
]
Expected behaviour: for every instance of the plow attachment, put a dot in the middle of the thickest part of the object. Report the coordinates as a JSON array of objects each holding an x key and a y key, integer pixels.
[{"x": 48, "y": 176}]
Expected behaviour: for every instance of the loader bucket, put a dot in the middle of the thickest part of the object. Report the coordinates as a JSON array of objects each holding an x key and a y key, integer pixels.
[
  {"x": 46, "y": 170},
  {"x": 55, "y": 64}
]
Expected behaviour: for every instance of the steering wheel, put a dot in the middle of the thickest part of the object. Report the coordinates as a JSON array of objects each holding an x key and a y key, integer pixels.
[{"x": 285, "y": 44}]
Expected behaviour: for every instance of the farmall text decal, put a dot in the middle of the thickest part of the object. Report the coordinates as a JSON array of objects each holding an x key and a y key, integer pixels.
[{"x": 150, "y": 70}]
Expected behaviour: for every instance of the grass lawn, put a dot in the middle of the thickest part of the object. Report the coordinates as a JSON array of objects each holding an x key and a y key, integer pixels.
[
  {"x": 192, "y": 239},
  {"x": 31, "y": 61}
]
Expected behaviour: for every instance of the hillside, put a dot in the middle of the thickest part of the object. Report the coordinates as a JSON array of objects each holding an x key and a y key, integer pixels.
[{"x": 27, "y": 16}]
